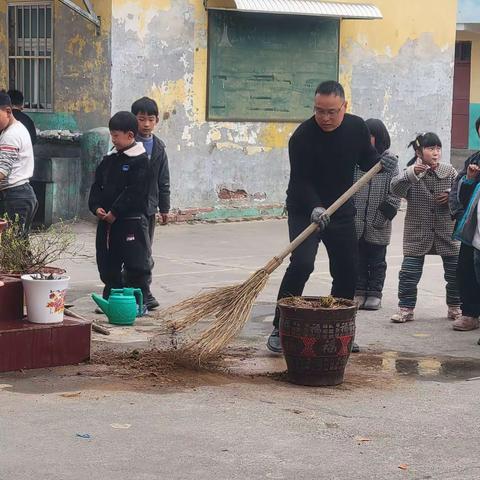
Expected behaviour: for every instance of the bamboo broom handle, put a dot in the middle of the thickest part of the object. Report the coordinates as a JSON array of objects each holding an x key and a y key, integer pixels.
[{"x": 276, "y": 261}]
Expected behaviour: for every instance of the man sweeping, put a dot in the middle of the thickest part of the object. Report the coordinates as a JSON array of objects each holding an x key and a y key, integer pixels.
[{"x": 324, "y": 151}]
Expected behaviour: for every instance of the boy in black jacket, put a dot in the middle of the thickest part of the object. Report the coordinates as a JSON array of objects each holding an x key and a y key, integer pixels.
[
  {"x": 146, "y": 111},
  {"x": 119, "y": 200}
]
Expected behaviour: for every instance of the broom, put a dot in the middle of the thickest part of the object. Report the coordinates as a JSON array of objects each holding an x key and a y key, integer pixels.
[{"x": 231, "y": 305}]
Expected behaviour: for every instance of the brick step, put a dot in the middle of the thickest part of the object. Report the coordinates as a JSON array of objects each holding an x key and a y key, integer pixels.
[{"x": 25, "y": 345}]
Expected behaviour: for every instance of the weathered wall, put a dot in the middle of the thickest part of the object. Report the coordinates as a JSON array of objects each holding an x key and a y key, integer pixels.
[
  {"x": 160, "y": 50},
  {"x": 3, "y": 45},
  {"x": 399, "y": 69},
  {"x": 82, "y": 82},
  {"x": 474, "y": 109}
]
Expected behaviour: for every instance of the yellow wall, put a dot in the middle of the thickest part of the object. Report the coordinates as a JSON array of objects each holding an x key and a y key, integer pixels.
[{"x": 403, "y": 21}]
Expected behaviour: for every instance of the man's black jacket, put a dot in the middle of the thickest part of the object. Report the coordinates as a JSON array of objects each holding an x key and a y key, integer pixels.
[
  {"x": 120, "y": 181},
  {"x": 322, "y": 164},
  {"x": 159, "y": 179},
  {"x": 27, "y": 122}
]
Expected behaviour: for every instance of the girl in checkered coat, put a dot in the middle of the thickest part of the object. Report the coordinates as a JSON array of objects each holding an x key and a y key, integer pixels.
[
  {"x": 376, "y": 208},
  {"x": 426, "y": 184}
]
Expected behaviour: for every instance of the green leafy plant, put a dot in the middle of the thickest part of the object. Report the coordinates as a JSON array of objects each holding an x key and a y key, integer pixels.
[{"x": 22, "y": 254}]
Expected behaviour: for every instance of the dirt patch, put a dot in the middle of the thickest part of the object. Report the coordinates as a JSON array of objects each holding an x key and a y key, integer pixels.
[{"x": 162, "y": 371}]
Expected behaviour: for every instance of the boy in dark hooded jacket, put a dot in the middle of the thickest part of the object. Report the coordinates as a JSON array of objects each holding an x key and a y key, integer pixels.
[{"x": 118, "y": 199}]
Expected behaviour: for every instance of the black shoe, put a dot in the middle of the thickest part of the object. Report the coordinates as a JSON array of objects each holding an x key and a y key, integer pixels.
[
  {"x": 355, "y": 348},
  {"x": 151, "y": 303},
  {"x": 273, "y": 342}
]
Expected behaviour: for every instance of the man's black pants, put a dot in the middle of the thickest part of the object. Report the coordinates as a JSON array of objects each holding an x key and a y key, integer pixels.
[
  {"x": 19, "y": 201},
  {"x": 340, "y": 240},
  {"x": 372, "y": 269},
  {"x": 125, "y": 244},
  {"x": 468, "y": 278}
]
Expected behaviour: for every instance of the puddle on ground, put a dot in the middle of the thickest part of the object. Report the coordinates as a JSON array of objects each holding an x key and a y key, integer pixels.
[{"x": 431, "y": 368}]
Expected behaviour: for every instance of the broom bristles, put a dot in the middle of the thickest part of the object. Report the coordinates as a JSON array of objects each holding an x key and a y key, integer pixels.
[
  {"x": 230, "y": 320},
  {"x": 230, "y": 306},
  {"x": 194, "y": 309}
]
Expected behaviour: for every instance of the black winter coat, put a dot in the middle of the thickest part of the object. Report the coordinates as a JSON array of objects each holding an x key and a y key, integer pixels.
[
  {"x": 159, "y": 179},
  {"x": 322, "y": 164},
  {"x": 120, "y": 181}
]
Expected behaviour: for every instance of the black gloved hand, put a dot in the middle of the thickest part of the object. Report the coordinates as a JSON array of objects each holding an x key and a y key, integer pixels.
[
  {"x": 389, "y": 162},
  {"x": 319, "y": 217}
]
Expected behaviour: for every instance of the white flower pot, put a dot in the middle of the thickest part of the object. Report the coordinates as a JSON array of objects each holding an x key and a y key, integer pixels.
[{"x": 45, "y": 299}]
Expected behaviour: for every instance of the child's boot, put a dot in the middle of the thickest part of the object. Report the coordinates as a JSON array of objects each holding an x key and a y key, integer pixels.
[
  {"x": 454, "y": 312},
  {"x": 403, "y": 315}
]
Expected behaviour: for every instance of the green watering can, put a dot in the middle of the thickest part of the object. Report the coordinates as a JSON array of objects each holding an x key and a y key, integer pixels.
[{"x": 123, "y": 305}]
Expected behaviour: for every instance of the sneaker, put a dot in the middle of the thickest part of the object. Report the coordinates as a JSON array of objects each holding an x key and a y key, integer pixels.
[
  {"x": 273, "y": 342},
  {"x": 372, "y": 303},
  {"x": 465, "y": 324},
  {"x": 404, "y": 315},
  {"x": 454, "y": 313}
]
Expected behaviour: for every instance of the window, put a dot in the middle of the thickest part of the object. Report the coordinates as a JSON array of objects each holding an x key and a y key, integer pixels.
[
  {"x": 30, "y": 52},
  {"x": 265, "y": 67},
  {"x": 463, "y": 52}
]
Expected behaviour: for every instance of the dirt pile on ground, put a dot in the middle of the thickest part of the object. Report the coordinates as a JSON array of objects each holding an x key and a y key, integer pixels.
[{"x": 165, "y": 367}]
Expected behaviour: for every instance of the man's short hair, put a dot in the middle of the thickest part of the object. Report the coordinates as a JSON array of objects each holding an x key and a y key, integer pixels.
[
  {"x": 477, "y": 125},
  {"x": 145, "y": 105},
  {"x": 331, "y": 87},
  {"x": 5, "y": 100},
  {"x": 123, "y": 122},
  {"x": 16, "y": 96}
]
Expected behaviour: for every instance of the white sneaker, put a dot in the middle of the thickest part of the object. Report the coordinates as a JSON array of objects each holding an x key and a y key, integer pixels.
[{"x": 403, "y": 315}]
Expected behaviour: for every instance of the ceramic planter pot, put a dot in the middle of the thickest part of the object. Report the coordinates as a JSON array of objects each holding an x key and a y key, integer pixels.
[{"x": 45, "y": 299}]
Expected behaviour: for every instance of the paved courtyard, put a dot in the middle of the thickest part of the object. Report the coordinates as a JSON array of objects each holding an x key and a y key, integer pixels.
[{"x": 408, "y": 407}]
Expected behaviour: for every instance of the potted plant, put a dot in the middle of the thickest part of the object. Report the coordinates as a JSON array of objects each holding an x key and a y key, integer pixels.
[
  {"x": 30, "y": 259},
  {"x": 316, "y": 335}
]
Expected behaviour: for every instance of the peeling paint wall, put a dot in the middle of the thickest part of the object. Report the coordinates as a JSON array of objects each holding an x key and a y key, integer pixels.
[
  {"x": 399, "y": 69},
  {"x": 3, "y": 45},
  {"x": 81, "y": 66}
]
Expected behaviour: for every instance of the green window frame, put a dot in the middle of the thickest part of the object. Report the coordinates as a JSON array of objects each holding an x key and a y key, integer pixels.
[{"x": 265, "y": 67}]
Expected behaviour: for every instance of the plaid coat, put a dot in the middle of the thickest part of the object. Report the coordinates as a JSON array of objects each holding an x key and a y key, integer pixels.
[
  {"x": 370, "y": 222},
  {"x": 428, "y": 226}
]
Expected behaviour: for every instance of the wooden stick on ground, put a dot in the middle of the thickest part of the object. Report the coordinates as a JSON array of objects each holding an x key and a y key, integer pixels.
[
  {"x": 95, "y": 326},
  {"x": 231, "y": 306}
]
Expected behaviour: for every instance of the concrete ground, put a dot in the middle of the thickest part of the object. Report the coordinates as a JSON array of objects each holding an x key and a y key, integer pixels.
[{"x": 408, "y": 407}]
